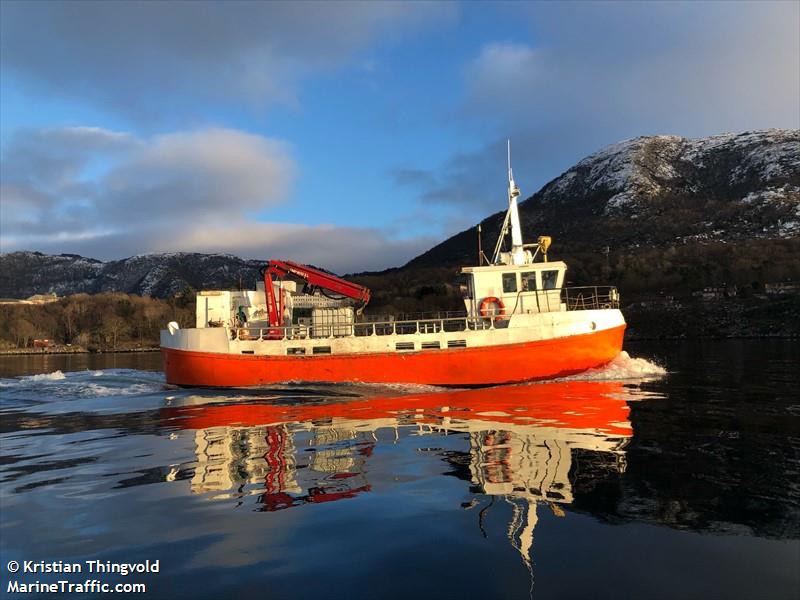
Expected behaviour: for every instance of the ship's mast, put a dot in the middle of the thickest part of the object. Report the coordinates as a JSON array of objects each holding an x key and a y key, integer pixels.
[
  {"x": 517, "y": 254},
  {"x": 517, "y": 251}
]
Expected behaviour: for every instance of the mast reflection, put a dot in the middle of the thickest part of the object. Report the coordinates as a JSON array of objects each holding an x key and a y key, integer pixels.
[{"x": 521, "y": 441}]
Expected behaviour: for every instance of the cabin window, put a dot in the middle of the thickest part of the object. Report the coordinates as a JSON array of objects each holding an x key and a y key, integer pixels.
[
  {"x": 464, "y": 287},
  {"x": 529, "y": 281},
  {"x": 509, "y": 283},
  {"x": 549, "y": 279}
]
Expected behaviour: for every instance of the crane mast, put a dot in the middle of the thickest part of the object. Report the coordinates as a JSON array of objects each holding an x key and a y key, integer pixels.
[{"x": 316, "y": 279}]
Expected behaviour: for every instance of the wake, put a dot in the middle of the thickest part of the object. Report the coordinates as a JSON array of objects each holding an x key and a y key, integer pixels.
[{"x": 624, "y": 366}]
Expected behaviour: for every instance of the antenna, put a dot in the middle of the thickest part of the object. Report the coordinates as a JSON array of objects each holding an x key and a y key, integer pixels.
[
  {"x": 517, "y": 250},
  {"x": 513, "y": 189},
  {"x": 510, "y": 174},
  {"x": 480, "y": 250},
  {"x": 511, "y": 220}
]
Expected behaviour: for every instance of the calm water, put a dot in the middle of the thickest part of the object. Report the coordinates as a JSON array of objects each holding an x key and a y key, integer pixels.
[{"x": 621, "y": 484}]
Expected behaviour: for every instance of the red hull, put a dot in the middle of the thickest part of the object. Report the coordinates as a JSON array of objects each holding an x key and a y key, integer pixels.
[
  {"x": 591, "y": 406},
  {"x": 489, "y": 365}
]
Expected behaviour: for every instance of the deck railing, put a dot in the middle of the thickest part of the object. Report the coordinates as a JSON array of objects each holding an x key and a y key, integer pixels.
[
  {"x": 591, "y": 297},
  {"x": 571, "y": 299},
  {"x": 369, "y": 328}
]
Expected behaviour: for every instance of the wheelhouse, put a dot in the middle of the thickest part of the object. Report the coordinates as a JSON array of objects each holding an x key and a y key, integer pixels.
[{"x": 515, "y": 289}]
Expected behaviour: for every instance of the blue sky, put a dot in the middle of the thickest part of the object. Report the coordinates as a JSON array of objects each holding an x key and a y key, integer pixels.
[{"x": 351, "y": 135}]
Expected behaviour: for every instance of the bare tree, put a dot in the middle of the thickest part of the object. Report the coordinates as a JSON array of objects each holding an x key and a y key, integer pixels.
[
  {"x": 24, "y": 331},
  {"x": 113, "y": 327}
]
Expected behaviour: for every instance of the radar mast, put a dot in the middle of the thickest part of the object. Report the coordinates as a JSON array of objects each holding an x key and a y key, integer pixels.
[{"x": 517, "y": 256}]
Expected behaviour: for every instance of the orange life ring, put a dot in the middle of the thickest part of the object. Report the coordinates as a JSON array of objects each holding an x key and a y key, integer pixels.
[{"x": 487, "y": 302}]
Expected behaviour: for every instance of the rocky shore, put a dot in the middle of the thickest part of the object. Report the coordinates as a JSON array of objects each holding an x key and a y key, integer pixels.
[{"x": 61, "y": 349}]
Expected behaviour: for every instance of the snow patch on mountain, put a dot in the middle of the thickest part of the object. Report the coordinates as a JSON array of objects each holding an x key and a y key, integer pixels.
[
  {"x": 630, "y": 172},
  {"x": 771, "y": 194},
  {"x": 24, "y": 273}
]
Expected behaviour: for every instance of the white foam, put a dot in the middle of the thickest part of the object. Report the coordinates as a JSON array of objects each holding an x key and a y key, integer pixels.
[
  {"x": 54, "y": 376},
  {"x": 403, "y": 388},
  {"x": 359, "y": 387},
  {"x": 624, "y": 366},
  {"x": 84, "y": 384},
  {"x": 93, "y": 390}
]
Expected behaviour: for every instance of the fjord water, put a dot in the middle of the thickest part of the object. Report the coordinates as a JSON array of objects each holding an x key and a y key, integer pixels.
[{"x": 626, "y": 482}]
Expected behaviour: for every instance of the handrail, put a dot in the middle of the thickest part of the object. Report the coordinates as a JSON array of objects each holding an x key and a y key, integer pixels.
[
  {"x": 420, "y": 316},
  {"x": 573, "y": 298},
  {"x": 590, "y": 297},
  {"x": 421, "y": 326}
]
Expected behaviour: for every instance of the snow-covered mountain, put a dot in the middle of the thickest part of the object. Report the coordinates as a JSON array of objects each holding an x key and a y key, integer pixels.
[
  {"x": 660, "y": 191},
  {"x": 752, "y": 170},
  {"x": 23, "y": 274}
]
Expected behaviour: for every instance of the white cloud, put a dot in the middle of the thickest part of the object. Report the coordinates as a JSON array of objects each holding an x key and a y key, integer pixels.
[
  {"x": 80, "y": 179},
  {"x": 341, "y": 249},
  {"x": 203, "y": 174},
  {"x": 681, "y": 68},
  {"x": 503, "y": 74},
  {"x": 64, "y": 191}
]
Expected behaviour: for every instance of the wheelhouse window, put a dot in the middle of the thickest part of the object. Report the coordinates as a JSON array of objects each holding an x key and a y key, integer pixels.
[
  {"x": 509, "y": 283},
  {"x": 465, "y": 286},
  {"x": 528, "y": 281},
  {"x": 549, "y": 280}
]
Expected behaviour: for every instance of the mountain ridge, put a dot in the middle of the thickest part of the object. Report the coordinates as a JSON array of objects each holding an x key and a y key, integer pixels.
[
  {"x": 25, "y": 273},
  {"x": 724, "y": 187}
]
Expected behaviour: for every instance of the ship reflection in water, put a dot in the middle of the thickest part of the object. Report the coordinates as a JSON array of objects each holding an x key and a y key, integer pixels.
[{"x": 527, "y": 444}]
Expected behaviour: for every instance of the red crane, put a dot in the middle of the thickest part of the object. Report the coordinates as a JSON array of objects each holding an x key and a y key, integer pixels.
[{"x": 315, "y": 278}]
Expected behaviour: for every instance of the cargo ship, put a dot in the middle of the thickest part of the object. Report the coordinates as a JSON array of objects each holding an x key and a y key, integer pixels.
[{"x": 302, "y": 324}]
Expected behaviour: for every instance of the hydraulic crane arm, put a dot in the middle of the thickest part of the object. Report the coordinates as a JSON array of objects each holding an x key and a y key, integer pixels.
[{"x": 281, "y": 268}]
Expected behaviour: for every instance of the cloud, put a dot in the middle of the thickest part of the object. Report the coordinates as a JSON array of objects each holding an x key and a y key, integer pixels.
[
  {"x": 466, "y": 179},
  {"x": 109, "y": 194},
  {"x": 55, "y": 156},
  {"x": 594, "y": 73},
  {"x": 476, "y": 180},
  {"x": 341, "y": 249},
  {"x": 412, "y": 177},
  {"x": 148, "y": 58},
  {"x": 207, "y": 174},
  {"x": 494, "y": 76},
  {"x": 85, "y": 179},
  {"x": 667, "y": 66}
]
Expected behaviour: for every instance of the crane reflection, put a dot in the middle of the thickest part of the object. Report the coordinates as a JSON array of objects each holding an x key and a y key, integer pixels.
[{"x": 521, "y": 443}]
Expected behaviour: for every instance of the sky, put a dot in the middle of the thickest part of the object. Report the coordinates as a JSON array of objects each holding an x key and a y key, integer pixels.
[{"x": 350, "y": 135}]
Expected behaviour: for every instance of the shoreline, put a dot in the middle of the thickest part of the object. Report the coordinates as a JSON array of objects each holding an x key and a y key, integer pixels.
[{"x": 62, "y": 352}]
